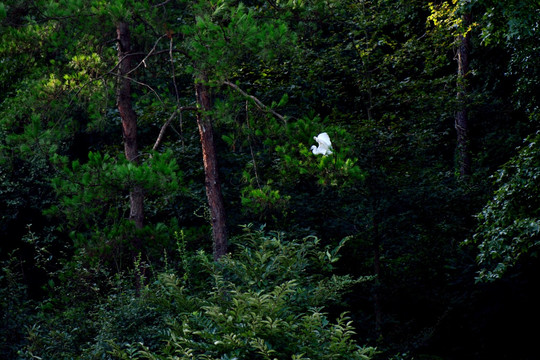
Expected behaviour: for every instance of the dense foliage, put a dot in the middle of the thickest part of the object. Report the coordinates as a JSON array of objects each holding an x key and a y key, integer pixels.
[
  {"x": 509, "y": 225},
  {"x": 383, "y": 249}
]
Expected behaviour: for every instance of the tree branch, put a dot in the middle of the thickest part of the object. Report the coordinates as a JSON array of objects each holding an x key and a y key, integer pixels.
[
  {"x": 162, "y": 4},
  {"x": 147, "y": 55},
  {"x": 168, "y": 122},
  {"x": 259, "y": 104},
  {"x": 142, "y": 84}
]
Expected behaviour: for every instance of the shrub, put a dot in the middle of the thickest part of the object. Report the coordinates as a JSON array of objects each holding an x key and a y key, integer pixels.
[
  {"x": 265, "y": 302},
  {"x": 15, "y": 307}
]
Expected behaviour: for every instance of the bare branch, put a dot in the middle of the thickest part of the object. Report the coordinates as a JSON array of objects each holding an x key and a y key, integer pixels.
[
  {"x": 163, "y": 3},
  {"x": 142, "y": 84},
  {"x": 259, "y": 104},
  {"x": 168, "y": 122},
  {"x": 147, "y": 55},
  {"x": 173, "y": 75}
]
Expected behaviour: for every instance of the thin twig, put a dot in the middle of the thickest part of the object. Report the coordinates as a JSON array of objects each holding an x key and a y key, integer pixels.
[
  {"x": 181, "y": 132},
  {"x": 251, "y": 147},
  {"x": 173, "y": 75}
]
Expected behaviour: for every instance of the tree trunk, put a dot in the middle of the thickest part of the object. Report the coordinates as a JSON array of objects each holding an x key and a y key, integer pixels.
[
  {"x": 129, "y": 119},
  {"x": 212, "y": 182},
  {"x": 462, "y": 117}
]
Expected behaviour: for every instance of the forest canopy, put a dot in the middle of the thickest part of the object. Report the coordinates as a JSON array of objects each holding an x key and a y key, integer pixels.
[{"x": 298, "y": 179}]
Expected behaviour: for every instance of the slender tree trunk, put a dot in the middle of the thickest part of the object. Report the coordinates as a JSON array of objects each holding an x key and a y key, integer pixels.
[
  {"x": 462, "y": 117},
  {"x": 129, "y": 119},
  {"x": 212, "y": 182}
]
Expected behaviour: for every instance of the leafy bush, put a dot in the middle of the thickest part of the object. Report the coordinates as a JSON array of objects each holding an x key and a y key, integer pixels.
[
  {"x": 265, "y": 302},
  {"x": 509, "y": 225},
  {"x": 90, "y": 308},
  {"x": 15, "y": 307}
]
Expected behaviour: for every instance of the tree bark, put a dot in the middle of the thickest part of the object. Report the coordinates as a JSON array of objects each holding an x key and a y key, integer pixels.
[
  {"x": 129, "y": 119},
  {"x": 212, "y": 182},
  {"x": 462, "y": 116}
]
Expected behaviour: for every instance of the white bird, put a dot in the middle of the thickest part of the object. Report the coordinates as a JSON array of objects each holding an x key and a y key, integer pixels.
[{"x": 324, "y": 144}]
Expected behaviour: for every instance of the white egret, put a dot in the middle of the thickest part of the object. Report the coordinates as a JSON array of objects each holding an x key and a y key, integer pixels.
[{"x": 324, "y": 144}]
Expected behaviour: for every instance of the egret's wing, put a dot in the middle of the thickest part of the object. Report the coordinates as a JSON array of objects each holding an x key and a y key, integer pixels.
[{"x": 324, "y": 140}]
